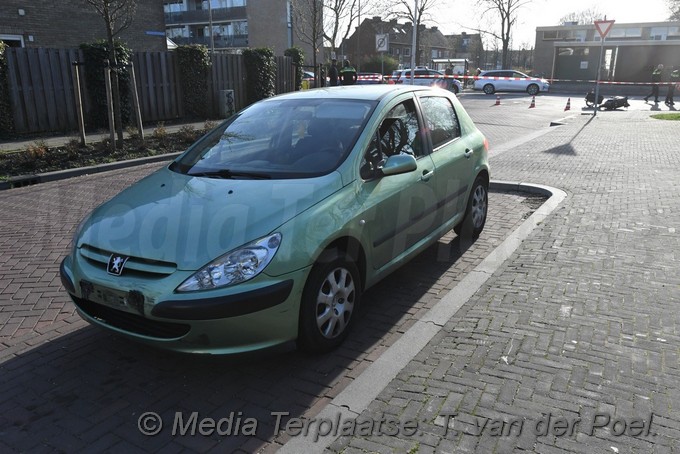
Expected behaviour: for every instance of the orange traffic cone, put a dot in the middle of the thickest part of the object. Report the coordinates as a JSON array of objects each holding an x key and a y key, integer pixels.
[
  {"x": 533, "y": 102},
  {"x": 568, "y": 106},
  {"x": 498, "y": 100}
]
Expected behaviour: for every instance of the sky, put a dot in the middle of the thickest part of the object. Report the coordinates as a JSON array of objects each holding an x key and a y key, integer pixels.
[{"x": 459, "y": 13}]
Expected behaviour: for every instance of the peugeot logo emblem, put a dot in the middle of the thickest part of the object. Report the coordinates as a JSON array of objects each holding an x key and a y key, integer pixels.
[{"x": 116, "y": 264}]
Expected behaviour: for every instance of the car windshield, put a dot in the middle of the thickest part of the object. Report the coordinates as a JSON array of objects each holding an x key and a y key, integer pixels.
[{"x": 292, "y": 138}]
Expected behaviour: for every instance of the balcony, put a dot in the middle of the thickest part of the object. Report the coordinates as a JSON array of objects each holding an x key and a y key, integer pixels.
[
  {"x": 221, "y": 42},
  {"x": 201, "y": 16}
]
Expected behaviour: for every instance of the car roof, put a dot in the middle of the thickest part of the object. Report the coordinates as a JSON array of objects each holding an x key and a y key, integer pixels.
[{"x": 360, "y": 92}]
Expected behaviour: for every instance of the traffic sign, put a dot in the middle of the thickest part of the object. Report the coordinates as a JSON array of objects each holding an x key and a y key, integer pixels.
[
  {"x": 603, "y": 27},
  {"x": 382, "y": 42}
]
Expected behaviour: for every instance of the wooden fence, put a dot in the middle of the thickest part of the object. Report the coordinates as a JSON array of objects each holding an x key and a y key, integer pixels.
[{"x": 42, "y": 96}]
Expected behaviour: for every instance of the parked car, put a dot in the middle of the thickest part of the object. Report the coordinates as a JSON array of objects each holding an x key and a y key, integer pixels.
[
  {"x": 427, "y": 77},
  {"x": 309, "y": 80},
  {"x": 507, "y": 80},
  {"x": 270, "y": 227},
  {"x": 370, "y": 78}
]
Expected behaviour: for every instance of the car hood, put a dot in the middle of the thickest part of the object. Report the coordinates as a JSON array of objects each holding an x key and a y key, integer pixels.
[{"x": 189, "y": 221}]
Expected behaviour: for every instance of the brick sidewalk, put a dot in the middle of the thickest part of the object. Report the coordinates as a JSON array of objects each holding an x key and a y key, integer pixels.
[
  {"x": 583, "y": 319},
  {"x": 69, "y": 386}
]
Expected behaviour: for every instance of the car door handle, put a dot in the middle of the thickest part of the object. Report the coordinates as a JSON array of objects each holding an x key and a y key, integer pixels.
[
  {"x": 427, "y": 174},
  {"x": 468, "y": 152}
]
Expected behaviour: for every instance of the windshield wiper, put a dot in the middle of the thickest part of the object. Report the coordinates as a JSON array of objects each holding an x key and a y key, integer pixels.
[{"x": 228, "y": 174}]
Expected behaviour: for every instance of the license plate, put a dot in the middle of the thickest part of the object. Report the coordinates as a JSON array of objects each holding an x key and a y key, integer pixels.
[{"x": 111, "y": 298}]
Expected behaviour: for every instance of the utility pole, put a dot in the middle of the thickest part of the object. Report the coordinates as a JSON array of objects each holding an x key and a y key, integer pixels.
[{"x": 413, "y": 42}]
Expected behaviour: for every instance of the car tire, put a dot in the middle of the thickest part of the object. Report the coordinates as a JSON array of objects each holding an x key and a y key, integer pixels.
[
  {"x": 489, "y": 89},
  {"x": 329, "y": 302},
  {"x": 533, "y": 89},
  {"x": 454, "y": 89},
  {"x": 475, "y": 213}
]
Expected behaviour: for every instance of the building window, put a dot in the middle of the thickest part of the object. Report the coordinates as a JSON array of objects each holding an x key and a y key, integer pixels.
[
  {"x": 633, "y": 32},
  {"x": 13, "y": 40},
  {"x": 407, "y": 52},
  {"x": 564, "y": 35}
]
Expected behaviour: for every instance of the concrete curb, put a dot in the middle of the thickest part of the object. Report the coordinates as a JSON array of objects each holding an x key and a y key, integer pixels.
[
  {"x": 27, "y": 180},
  {"x": 354, "y": 399}
]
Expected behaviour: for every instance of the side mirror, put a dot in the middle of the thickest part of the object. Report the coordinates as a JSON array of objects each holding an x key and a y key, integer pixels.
[{"x": 398, "y": 164}]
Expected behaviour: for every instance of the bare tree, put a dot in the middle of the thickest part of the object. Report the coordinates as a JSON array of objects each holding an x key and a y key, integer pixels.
[
  {"x": 118, "y": 16},
  {"x": 308, "y": 24},
  {"x": 586, "y": 16},
  {"x": 506, "y": 10},
  {"x": 674, "y": 8},
  {"x": 405, "y": 9},
  {"x": 339, "y": 17}
]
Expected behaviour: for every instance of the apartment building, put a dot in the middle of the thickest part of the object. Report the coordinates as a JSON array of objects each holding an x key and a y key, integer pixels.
[
  {"x": 62, "y": 24},
  {"x": 235, "y": 24}
]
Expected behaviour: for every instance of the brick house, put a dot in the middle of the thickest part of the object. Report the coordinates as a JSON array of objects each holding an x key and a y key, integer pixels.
[
  {"x": 361, "y": 44},
  {"x": 69, "y": 23}
]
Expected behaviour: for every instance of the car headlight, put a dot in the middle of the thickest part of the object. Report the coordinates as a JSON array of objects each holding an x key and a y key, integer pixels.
[{"x": 234, "y": 267}]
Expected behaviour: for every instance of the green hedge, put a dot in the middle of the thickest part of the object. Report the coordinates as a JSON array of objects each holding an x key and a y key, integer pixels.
[
  {"x": 298, "y": 57},
  {"x": 260, "y": 73},
  {"x": 6, "y": 118},
  {"x": 194, "y": 70},
  {"x": 96, "y": 54}
]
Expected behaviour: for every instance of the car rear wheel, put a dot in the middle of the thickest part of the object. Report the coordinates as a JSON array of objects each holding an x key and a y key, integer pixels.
[
  {"x": 454, "y": 89},
  {"x": 476, "y": 211},
  {"x": 329, "y": 302},
  {"x": 489, "y": 89},
  {"x": 532, "y": 89}
]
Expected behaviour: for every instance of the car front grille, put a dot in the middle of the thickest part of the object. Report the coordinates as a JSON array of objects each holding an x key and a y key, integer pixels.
[
  {"x": 129, "y": 322},
  {"x": 134, "y": 266}
]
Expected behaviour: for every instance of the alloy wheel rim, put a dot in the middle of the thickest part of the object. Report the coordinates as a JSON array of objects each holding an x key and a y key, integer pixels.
[
  {"x": 479, "y": 203},
  {"x": 335, "y": 303}
]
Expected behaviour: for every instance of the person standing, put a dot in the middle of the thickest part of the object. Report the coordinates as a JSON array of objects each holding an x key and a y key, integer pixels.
[
  {"x": 348, "y": 74},
  {"x": 673, "y": 79},
  {"x": 333, "y": 73},
  {"x": 656, "y": 78}
]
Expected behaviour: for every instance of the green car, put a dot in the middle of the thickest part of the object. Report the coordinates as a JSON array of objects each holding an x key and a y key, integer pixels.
[{"x": 270, "y": 227}]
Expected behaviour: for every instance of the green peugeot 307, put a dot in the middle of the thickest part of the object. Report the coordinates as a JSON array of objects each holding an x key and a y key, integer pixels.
[{"x": 270, "y": 227}]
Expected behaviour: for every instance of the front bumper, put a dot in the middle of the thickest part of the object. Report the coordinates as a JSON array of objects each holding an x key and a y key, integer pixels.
[{"x": 224, "y": 321}]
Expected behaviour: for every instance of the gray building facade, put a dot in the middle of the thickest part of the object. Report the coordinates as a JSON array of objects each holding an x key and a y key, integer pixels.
[{"x": 629, "y": 54}]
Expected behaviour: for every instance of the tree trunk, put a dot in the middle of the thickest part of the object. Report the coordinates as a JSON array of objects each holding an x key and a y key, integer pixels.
[{"x": 115, "y": 88}]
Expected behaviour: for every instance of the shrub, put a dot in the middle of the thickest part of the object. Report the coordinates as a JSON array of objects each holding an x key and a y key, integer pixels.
[
  {"x": 260, "y": 73},
  {"x": 374, "y": 64},
  {"x": 194, "y": 69},
  {"x": 298, "y": 57},
  {"x": 208, "y": 126},
  {"x": 188, "y": 134},
  {"x": 96, "y": 54},
  {"x": 160, "y": 134},
  {"x": 37, "y": 150}
]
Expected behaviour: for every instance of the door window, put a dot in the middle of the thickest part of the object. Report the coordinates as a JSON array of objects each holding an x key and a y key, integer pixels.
[{"x": 441, "y": 120}]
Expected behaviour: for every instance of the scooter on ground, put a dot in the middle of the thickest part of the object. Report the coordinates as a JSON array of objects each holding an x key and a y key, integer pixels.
[{"x": 612, "y": 103}]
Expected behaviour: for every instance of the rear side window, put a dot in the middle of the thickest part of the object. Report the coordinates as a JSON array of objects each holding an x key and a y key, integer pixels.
[{"x": 440, "y": 120}]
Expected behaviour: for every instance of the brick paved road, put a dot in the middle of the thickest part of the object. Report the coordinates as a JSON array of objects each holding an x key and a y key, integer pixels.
[
  {"x": 583, "y": 319},
  {"x": 68, "y": 386}
]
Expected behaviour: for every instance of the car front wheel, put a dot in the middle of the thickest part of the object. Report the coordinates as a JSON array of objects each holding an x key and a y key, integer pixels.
[
  {"x": 489, "y": 89},
  {"x": 475, "y": 213},
  {"x": 532, "y": 89},
  {"x": 329, "y": 302}
]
